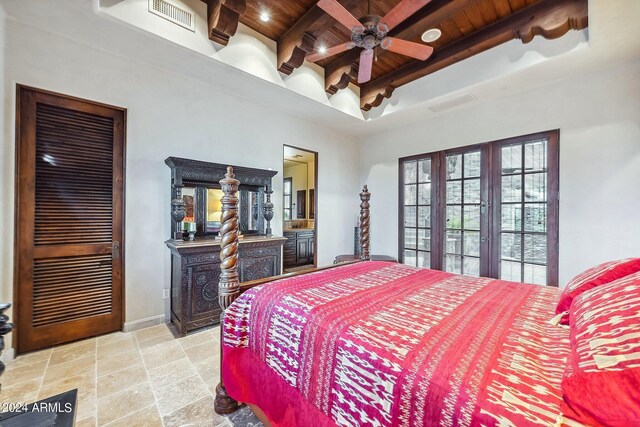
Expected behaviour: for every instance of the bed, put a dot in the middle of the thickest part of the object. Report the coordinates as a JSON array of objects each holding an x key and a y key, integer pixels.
[
  {"x": 384, "y": 344},
  {"x": 380, "y": 344}
]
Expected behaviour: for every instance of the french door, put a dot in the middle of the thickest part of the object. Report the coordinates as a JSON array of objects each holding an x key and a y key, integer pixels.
[
  {"x": 487, "y": 210},
  {"x": 465, "y": 211},
  {"x": 69, "y": 219}
]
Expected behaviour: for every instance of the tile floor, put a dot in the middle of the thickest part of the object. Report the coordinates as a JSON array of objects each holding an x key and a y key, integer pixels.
[{"x": 143, "y": 378}]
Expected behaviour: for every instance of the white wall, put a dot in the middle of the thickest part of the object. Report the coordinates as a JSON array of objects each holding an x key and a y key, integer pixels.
[
  {"x": 598, "y": 115},
  {"x": 247, "y": 50},
  {"x": 168, "y": 115}
]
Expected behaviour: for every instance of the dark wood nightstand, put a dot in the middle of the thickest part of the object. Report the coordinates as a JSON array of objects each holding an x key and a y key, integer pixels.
[{"x": 346, "y": 258}]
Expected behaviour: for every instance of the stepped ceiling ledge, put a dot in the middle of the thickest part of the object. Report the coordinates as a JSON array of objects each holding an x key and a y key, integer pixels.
[{"x": 245, "y": 57}]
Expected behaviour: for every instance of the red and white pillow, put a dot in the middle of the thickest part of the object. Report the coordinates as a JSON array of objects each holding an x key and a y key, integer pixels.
[
  {"x": 601, "y": 386},
  {"x": 596, "y": 276}
]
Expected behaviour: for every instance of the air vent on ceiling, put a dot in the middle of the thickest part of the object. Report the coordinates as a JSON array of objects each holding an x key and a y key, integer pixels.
[
  {"x": 450, "y": 103},
  {"x": 173, "y": 13}
]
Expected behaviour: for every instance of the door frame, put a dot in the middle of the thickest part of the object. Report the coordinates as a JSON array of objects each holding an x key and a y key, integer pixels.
[
  {"x": 490, "y": 160},
  {"x": 315, "y": 199},
  {"x": 19, "y": 153}
]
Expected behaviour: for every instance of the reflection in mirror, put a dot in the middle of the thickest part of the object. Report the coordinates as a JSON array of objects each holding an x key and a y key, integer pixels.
[
  {"x": 214, "y": 209},
  {"x": 188, "y": 197},
  {"x": 253, "y": 216},
  {"x": 249, "y": 210}
]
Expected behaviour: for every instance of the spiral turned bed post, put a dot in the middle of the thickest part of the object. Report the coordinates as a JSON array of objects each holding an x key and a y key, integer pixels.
[
  {"x": 365, "y": 196},
  {"x": 229, "y": 285}
]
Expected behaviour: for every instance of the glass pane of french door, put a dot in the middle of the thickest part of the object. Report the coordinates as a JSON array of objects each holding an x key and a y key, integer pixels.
[
  {"x": 463, "y": 225},
  {"x": 524, "y": 206},
  {"x": 417, "y": 212}
]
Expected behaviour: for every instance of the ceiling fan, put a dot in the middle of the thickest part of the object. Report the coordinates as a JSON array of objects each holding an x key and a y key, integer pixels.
[{"x": 371, "y": 31}]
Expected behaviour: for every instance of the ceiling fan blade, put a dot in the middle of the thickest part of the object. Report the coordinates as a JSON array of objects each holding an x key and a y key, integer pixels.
[
  {"x": 339, "y": 13},
  {"x": 402, "y": 11},
  {"x": 317, "y": 56},
  {"x": 407, "y": 48},
  {"x": 366, "y": 66}
]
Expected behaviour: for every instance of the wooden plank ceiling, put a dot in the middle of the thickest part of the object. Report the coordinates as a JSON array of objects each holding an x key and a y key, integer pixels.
[{"x": 468, "y": 27}]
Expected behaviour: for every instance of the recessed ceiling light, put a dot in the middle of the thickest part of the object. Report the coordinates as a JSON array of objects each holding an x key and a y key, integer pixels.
[
  {"x": 264, "y": 17},
  {"x": 431, "y": 35},
  {"x": 322, "y": 49}
]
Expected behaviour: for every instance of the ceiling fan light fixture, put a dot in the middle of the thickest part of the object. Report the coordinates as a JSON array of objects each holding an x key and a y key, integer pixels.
[
  {"x": 431, "y": 35},
  {"x": 370, "y": 32}
]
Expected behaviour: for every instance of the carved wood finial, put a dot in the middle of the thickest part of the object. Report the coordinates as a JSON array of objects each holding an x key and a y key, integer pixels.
[
  {"x": 365, "y": 196},
  {"x": 229, "y": 285},
  {"x": 178, "y": 212},
  {"x": 268, "y": 210}
]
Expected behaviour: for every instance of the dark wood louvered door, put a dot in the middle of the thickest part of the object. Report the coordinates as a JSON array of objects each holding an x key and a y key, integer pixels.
[{"x": 69, "y": 219}]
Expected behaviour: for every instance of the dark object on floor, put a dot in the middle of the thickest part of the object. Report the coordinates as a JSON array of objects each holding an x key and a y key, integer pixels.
[
  {"x": 5, "y": 328},
  {"x": 58, "y": 411},
  {"x": 345, "y": 258},
  {"x": 243, "y": 417}
]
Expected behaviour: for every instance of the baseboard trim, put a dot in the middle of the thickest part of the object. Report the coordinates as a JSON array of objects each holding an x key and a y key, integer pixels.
[{"x": 143, "y": 323}]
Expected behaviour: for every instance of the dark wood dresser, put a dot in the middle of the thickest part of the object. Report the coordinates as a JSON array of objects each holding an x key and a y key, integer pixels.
[
  {"x": 195, "y": 272},
  {"x": 299, "y": 247},
  {"x": 196, "y": 205}
]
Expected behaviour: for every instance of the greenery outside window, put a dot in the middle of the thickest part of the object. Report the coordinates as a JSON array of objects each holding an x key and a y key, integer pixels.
[{"x": 486, "y": 210}]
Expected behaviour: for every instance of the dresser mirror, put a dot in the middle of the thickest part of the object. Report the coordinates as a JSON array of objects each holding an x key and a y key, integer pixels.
[
  {"x": 250, "y": 207},
  {"x": 195, "y": 186}
]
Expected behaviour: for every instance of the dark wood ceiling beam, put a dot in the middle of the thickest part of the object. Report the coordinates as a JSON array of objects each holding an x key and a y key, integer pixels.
[
  {"x": 547, "y": 18},
  {"x": 430, "y": 16},
  {"x": 341, "y": 71},
  {"x": 223, "y": 17},
  {"x": 297, "y": 42},
  {"x": 300, "y": 39}
]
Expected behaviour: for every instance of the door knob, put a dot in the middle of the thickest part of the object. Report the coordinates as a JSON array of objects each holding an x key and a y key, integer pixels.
[{"x": 115, "y": 250}]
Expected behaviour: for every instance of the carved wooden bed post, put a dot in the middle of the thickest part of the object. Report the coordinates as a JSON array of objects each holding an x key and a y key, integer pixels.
[
  {"x": 229, "y": 286},
  {"x": 365, "y": 196}
]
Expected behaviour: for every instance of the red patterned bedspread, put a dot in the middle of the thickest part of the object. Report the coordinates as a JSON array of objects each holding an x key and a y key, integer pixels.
[{"x": 381, "y": 344}]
